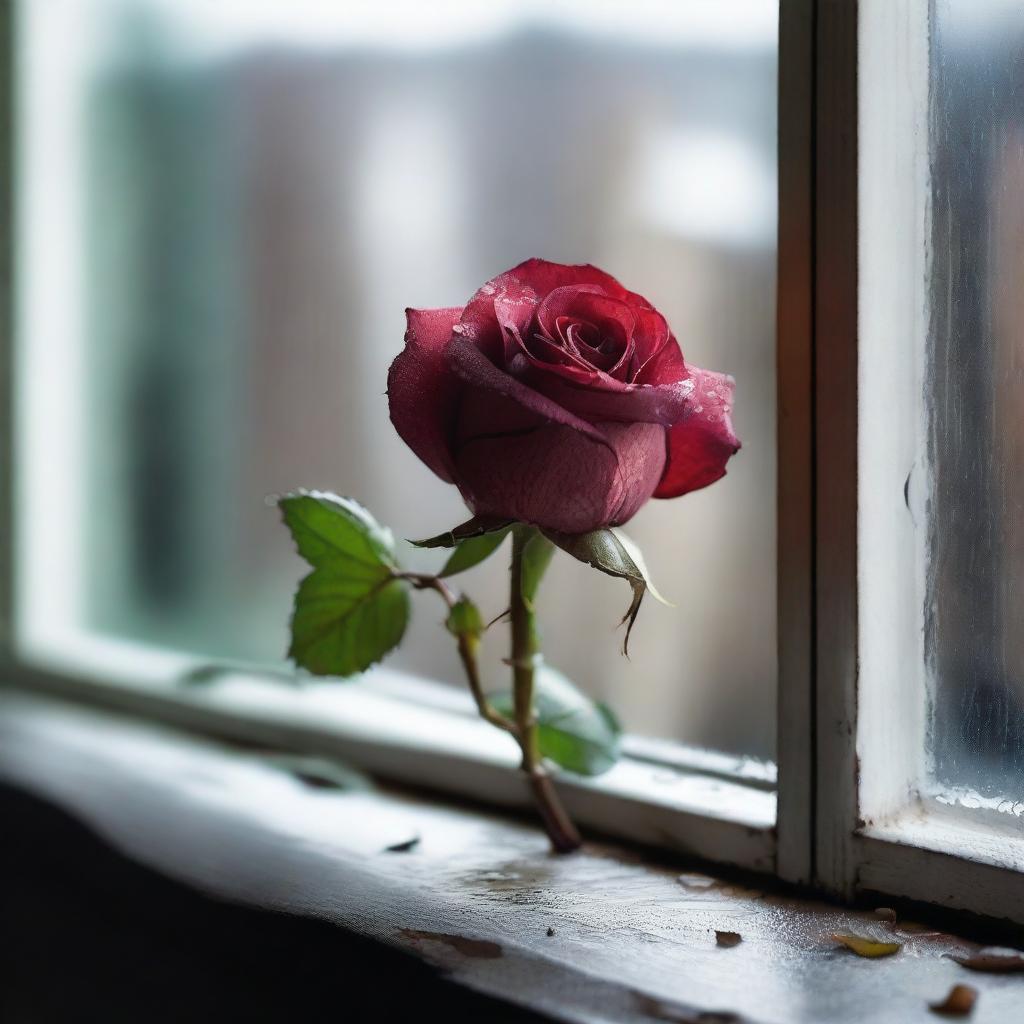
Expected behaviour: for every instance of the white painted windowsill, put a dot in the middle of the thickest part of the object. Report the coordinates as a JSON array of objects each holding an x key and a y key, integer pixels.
[{"x": 632, "y": 941}]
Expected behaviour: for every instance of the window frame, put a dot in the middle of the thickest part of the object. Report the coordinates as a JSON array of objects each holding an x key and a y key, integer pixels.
[{"x": 877, "y": 836}]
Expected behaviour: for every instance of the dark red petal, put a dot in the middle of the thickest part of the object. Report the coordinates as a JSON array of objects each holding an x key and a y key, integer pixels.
[
  {"x": 641, "y": 451},
  {"x": 543, "y": 277},
  {"x": 596, "y": 326},
  {"x": 555, "y": 477},
  {"x": 525, "y": 285},
  {"x": 541, "y": 355},
  {"x": 477, "y": 371},
  {"x": 608, "y": 399},
  {"x": 542, "y": 351},
  {"x": 580, "y": 302},
  {"x": 650, "y": 336},
  {"x": 700, "y": 445},
  {"x": 550, "y": 476},
  {"x": 664, "y": 366},
  {"x": 499, "y": 311},
  {"x": 422, "y": 390}
]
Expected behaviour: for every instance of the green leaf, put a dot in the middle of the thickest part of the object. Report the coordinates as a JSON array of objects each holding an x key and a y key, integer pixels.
[
  {"x": 334, "y": 531},
  {"x": 351, "y": 610},
  {"x": 537, "y": 554},
  {"x": 578, "y": 734},
  {"x": 341, "y": 626},
  {"x": 465, "y": 618},
  {"x": 612, "y": 552},
  {"x": 472, "y": 551},
  {"x": 475, "y": 527}
]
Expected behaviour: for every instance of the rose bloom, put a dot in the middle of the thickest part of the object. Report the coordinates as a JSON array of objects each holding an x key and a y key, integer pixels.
[{"x": 556, "y": 397}]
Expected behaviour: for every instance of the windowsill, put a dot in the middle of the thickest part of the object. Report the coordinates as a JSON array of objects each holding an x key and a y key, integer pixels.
[
  {"x": 478, "y": 894},
  {"x": 410, "y": 730}
]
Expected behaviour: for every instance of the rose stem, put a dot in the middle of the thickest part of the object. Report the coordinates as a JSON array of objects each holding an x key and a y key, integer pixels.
[
  {"x": 468, "y": 645},
  {"x": 525, "y": 648}
]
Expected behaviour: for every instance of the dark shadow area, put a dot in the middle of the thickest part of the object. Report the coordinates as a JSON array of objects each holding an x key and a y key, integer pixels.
[{"x": 92, "y": 936}]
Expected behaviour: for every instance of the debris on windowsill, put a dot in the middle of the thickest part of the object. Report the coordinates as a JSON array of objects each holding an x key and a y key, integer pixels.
[
  {"x": 958, "y": 1003},
  {"x": 866, "y": 945},
  {"x": 406, "y": 846},
  {"x": 993, "y": 960}
]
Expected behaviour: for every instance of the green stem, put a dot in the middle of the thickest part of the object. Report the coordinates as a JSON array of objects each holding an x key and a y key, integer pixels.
[
  {"x": 525, "y": 652},
  {"x": 467, "y": 645},
  {"x": 467, "y": 655}
]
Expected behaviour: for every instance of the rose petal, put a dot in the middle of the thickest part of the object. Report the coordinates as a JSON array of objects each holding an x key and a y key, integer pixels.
[
  {"x": 550, "y": 476},
  {"x": 422, "y": 390},
  {"x": 650, "y": 336},
  {"x": 543, "y": 352},
  {"x": 641, "y": 451},
  {"x": 602, "y": 398},
  {"x": 558, "y": 478},
  {"x": 612, "y": 321},
  {"x": 498, "y": 311},
  {"x": 700, "y": 445},
  {"x": 664, "y": 366},
  {"x": 522, "y": 287},
  {"x": 544, "y": 277},
  {"x": 586, "y": 302},
  {"x": 476, "y": 370}
]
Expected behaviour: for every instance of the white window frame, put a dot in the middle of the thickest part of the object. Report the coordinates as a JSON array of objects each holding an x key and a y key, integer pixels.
[
  {"x": 879, "y": 827},
  {"x": 825, "y": 828}
]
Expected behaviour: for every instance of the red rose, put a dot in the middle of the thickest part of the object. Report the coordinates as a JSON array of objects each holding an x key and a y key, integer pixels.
[{"x": 556, "y": 397}]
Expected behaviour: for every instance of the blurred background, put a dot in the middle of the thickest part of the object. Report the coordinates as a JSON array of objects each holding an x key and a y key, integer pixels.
[{"x": 225, "y": 209}]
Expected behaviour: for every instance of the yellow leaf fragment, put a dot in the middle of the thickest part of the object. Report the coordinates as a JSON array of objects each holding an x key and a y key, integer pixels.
[
  {"x": 865, "y": 946},
  {"x": 958, "y": 1003}
]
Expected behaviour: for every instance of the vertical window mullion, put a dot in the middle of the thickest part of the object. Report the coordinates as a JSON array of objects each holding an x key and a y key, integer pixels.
[
  {"x": 835, "y": 431},
  {"x": 794, "y": 334}
]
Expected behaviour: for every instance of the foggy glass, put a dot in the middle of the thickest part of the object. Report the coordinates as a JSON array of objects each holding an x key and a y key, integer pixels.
[
  {"x": 974, "y": 632},
  {"x": 259, "y": 209}
]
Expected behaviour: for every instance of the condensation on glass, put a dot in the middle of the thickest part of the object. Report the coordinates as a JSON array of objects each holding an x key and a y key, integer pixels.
[
  {"x": 974, "y": 615},
  {"x": 262, "y": 195}
]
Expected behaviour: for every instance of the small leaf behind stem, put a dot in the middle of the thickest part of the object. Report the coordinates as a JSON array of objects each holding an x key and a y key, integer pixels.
[
  {"x": 578, "y": 734},
  {"x": 537, "y": 555},
  {"x": 472, "y": 551}
]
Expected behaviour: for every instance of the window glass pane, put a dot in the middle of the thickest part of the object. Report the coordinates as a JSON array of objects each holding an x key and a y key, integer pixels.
[
  {"x": 974, "y": 637},
  {"x": 247, "y": 197}
]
